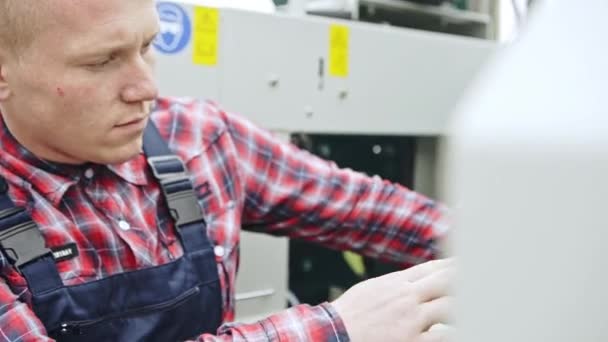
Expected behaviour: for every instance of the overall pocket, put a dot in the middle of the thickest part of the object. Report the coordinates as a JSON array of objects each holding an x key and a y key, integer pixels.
[{"x": 137, "y": 324}]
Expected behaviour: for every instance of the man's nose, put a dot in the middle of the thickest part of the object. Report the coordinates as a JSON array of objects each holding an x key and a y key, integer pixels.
[{"x": 141, "y": 84}]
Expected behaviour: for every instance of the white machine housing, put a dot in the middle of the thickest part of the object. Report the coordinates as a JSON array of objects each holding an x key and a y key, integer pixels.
[{"x": 527, "y": 178}]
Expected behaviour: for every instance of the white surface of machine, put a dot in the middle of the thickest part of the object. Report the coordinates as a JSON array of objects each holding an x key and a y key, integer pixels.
[
  {"x": 313, "y": 74},
  {"x": 527, "y": 179}
]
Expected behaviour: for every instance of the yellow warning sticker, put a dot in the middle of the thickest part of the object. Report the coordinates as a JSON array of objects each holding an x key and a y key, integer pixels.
[
  {"x": 206, "y": 36},
  {"x": 338, "y": 50}
]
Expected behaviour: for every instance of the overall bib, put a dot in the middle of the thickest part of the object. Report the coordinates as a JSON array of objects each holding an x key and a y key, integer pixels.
[{"x": 170, "y": 302}]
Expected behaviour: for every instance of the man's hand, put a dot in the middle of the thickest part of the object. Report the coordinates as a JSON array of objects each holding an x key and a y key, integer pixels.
[{"x": 399, "y": 306}]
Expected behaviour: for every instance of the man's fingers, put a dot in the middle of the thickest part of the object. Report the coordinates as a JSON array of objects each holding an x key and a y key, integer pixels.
[
  {"x": 436, "y": 312},
  {"x": 435, "y": 336},
  {"x": 420, "y": 271},
  {"x": 435, "y": 285}
]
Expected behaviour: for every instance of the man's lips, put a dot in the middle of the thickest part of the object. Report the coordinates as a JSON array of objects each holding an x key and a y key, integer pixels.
[{"x": 130, "y": 122}]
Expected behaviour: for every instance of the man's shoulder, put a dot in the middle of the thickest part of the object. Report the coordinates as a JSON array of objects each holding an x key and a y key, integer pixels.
[{"x": 188, "y": 124}]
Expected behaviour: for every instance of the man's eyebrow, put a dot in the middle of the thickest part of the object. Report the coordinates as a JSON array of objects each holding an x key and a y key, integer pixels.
[{"x": 103, "y": 49}]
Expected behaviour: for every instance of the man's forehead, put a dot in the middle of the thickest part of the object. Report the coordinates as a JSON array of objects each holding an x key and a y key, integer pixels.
[
  {"x": 93, "y": 10},
  {"x": 82, "y": 22}
]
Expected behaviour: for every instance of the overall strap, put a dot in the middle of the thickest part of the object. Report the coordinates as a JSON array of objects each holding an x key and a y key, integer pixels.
[
  {"x": 23, "y": 245},
  {"x": 177, "y": 188}
]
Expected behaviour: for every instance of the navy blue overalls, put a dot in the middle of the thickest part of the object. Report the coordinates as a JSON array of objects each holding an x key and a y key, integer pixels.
[{"x": 170, "y": 302}]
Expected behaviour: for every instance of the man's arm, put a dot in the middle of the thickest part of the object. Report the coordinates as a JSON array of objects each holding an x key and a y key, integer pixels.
[
  {"x": 400, "y": 306},
  {"x": 290, "y": 192},
  {"x": 301, "y": 323},
  {"x": 17, "y": 321}
]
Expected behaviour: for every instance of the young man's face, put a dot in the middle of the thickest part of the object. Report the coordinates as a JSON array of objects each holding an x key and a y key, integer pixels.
[{"x": 81, "y": 92}]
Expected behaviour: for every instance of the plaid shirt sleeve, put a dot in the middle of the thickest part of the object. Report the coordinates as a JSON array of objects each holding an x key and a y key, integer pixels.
[
  {"x": 300, "y": 323},
  {"x": 290, "y": 192},
  {"x": 17, "y": 321}
]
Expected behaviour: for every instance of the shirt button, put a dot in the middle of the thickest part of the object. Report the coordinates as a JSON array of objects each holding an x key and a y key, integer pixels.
[
  {"x": 219, "y": 251},
  {"x": 89, "y": 173},
  {"x": 124, "y": 225}
]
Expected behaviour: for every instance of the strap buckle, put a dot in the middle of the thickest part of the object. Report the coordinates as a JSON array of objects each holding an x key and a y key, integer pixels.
[
  {"x": 183, "y": 205},
  {"x": 24, "y": 243},
  {"x": 184, "y": 208},
  {"x": 169, "y": 162}
]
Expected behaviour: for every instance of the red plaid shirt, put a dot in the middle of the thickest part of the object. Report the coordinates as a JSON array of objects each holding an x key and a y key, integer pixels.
[{"x": 244, "y": 177}]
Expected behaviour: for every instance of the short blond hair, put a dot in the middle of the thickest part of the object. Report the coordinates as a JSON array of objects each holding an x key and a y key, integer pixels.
[{"x": 20, "y": 22}]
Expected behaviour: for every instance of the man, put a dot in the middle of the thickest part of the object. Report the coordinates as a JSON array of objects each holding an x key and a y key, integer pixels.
[{"x": 134, "y": 257}]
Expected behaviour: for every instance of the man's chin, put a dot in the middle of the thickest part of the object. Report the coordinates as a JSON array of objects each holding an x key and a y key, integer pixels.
[
  {"x": 118, "y": 156},
  {"x": 117, "y": 161}
]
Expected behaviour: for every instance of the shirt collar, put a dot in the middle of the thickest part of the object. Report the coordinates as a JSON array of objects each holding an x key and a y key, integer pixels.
[{"x": 134, "y": 171}]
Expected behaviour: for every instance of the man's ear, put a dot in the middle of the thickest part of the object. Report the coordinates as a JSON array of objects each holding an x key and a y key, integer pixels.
[{"x": 4, "y": 88}]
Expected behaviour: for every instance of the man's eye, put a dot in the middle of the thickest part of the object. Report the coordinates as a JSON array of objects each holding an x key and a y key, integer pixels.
[
  {"x": 102, "y": 63},
  {"x": 147, "y": 45},
  {"x": 146, "y": 48}
]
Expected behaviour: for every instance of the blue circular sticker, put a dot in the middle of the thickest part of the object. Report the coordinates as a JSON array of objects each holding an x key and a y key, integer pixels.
[{"x": 175, "y": 28}]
